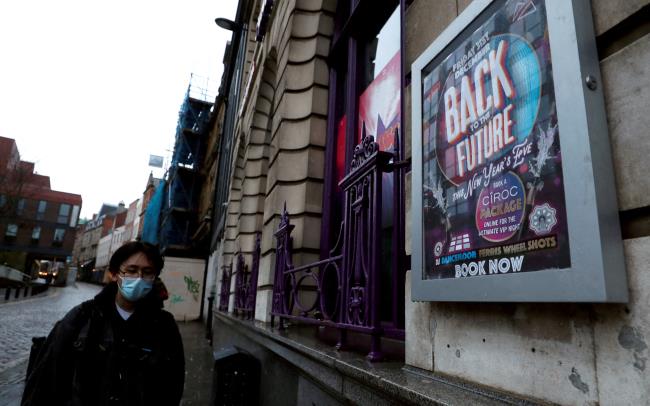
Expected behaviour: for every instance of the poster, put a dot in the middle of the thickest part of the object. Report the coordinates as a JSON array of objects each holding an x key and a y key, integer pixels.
[
  {"x": 493, "y": 191},
  {"x": 379, "y": 105},
  {"x": 379, "y": 110}
]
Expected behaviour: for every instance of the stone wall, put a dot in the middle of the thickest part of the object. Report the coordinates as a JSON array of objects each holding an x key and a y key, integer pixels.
[
  {"x": 564, "y": 353},
  {"x": 280, "y": 138},
  {"x": 300, "y": 32}
]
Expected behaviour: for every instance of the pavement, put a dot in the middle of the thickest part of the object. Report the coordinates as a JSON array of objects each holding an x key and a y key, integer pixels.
[
  {"x": 198, "y": 364},
  {"x": 35, "y": 316}
]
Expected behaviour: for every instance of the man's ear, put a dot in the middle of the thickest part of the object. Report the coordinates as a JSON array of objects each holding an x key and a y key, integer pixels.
[{"x": 113, "y": 277}]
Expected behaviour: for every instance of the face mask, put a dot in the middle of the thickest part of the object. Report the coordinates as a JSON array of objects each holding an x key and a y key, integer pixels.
[{"x": 134, "y": 289}]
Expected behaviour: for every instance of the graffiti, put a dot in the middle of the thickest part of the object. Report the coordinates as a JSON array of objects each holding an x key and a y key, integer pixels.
[
  {"x": 176, "y": 299},
  {"x": 192, "y": 286}
]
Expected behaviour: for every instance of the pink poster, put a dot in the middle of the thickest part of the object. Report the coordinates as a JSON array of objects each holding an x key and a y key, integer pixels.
[{"x": 379, "y": 105}]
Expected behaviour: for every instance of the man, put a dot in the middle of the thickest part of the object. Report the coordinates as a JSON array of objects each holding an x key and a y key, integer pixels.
[{"x": 119, "y": 348}]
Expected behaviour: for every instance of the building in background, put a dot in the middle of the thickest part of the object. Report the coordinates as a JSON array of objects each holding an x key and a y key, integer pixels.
[
  {"x": 76, "y": 248},
  {"x": 94, "y": 229},
  {"x": 131, "y": 222},
  {"x": 110, "y": 241},
  {"x": 108, "y": 230},
  {"x": 102, "y": 258},
  {"x": 36, "y": 222},
  {"x": 305, "y": 83},
  {"x": 178, "y": 215},
  {"x": 185, "y": 177},
  {"x": 143, "y": 203}
]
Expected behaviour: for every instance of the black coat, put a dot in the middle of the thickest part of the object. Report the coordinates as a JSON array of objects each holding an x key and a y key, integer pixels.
[{"x": 93, "y": 357}]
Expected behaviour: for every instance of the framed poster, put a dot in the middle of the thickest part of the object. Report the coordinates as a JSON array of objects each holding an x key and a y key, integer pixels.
[{"x": 513, "y": 185}]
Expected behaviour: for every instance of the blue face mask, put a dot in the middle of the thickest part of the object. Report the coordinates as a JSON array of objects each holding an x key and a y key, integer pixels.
[{"x": 134, "y": 289}]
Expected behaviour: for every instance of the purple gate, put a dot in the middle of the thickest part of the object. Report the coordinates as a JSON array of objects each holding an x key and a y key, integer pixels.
[
  {"x": 246, "y": 283},
  {"x": 343, "y": 290},
  {"x": 224, "y": 292}
]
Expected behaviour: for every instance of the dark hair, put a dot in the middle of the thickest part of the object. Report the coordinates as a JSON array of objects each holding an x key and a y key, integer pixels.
[{"x": 133, "y": 247}]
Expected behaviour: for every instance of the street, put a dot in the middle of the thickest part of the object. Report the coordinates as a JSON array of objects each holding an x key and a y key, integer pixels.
[{"x": 24, "y": 319}]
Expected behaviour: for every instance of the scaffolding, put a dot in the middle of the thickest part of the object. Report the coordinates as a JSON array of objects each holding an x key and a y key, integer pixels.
[{"x": 184, "y": 178}]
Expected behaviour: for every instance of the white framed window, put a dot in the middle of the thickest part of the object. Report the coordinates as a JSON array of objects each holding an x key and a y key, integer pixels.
[
  {"x": 12, "y": 230},
  {"x": 36, "y": 233},
  {"x": 40, "y": 212},
  {"x": 59, "y": 233},
  {"x": 64, "y": 213}
]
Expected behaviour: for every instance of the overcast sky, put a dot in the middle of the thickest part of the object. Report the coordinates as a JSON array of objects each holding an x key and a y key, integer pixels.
[{"x": 88, "y": 89}]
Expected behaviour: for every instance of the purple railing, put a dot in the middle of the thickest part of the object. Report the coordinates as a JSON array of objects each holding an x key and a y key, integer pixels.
[
  {"x": 241, "y": 276},
  {"x": 293, "y": 285},
  {"x": 343, "y": 290},
  {"x": 251, "y": 297},
  {"x": 224, "y": 292},
  {"x": 246, "y": 283}
]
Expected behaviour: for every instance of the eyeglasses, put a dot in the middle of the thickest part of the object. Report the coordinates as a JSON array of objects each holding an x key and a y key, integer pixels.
[{"x": 147, "y": 274}]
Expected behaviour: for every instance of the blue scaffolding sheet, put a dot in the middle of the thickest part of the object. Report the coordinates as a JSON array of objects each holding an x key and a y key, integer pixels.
[{"x": 152, "y": 215}]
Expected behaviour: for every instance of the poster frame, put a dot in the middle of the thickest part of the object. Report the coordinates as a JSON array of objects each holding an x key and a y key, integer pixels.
[{"x": 597, "y": 271}]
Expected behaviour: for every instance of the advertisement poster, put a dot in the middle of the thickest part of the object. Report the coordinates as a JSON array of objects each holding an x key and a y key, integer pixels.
[
  {"x": 379, "y": 110},
  {"x": 493, "y": 191},
  {"x": 379, "y": 105}
]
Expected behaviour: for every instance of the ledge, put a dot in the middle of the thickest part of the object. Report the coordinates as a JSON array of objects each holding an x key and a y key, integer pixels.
[{"x": 350, "y": 377}]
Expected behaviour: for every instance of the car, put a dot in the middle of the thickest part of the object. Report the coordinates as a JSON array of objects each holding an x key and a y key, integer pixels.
[{"x": 46, "y": 275}]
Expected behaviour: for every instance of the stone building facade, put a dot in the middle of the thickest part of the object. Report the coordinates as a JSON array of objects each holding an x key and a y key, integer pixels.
[
  {"x": 85, "y": 250},
  {"x": 281, "y": 128},
  {"x": 278, "y": 138}
]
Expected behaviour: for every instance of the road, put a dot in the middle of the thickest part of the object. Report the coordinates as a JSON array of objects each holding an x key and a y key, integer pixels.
[{"x": 24, "y": 319}]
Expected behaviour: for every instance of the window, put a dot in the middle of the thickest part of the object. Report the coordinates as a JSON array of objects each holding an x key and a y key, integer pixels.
[
  {"x": 12, "y": 230},
  {"x": 364, "y": 99},
  {"x": 20, "y": 207},
  {"x": 10, "y": 233},
  {"x": 40, "y": 212},
  {"x": 75, "y": 215},
  {"x": 36, "y": 234},
  {"x": 59, "y": 233},
  {"x": 64, "y": 213},
  {"x": 366, "y": 92},
  {"x": 367, "y": 85}
]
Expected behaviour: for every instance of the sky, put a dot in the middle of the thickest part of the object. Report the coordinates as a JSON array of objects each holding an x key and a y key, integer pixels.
[{"x": 90, "y": 89}]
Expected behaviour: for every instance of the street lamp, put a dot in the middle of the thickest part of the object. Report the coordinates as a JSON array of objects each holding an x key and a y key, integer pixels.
[{"x": 227, "y": 24}]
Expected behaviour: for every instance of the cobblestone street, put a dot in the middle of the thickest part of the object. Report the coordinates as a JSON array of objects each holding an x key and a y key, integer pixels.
[{"x": 24, "y": 319}]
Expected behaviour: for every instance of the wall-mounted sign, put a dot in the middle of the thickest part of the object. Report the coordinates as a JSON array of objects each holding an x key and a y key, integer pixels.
[
  {"x": 156, "y": 161},
  {"x": 512, "y": 185}
]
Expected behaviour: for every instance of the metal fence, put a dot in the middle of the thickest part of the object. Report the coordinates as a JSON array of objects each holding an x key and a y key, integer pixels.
[{"x": 344, "y": 290}]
